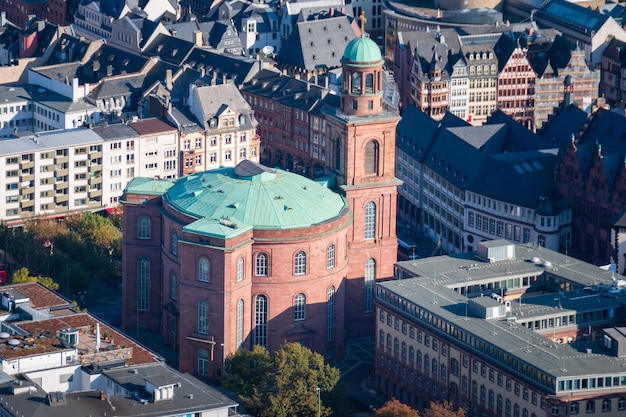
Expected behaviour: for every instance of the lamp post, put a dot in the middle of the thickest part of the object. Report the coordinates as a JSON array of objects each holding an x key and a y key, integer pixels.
[{"x": 319, "y": 402}]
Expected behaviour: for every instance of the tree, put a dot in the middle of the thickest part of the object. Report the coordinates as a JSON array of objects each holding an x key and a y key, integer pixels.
[
  {"x": 22, "y": 276},
  {"x": 394, "y": 408},
  {"x": 444, "y": 409},
  {"x": 247, "y": 374},
  {"x": 284, "y": 384}
]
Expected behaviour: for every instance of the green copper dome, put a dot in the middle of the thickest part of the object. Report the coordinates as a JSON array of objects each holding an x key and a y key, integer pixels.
[
  {"x": 362, "y": 50},
  {"x": 251, "y": 195}
]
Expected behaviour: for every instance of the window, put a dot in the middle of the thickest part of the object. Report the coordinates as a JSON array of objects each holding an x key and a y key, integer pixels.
[
  {"x": 370, "y": 279},
  {"x": 330, "y": 314},
  {"x": 203, "y": 317},
  {"x": 172, "y": 285},
  {"x": 371, "y": 157},
  {"x": 260, "y": 321},
  {"x": 574, "y": 407},
  {"x": 591, "y": 407},
  {"x": 299, "y": 307},
  {"x": 555, "y": 409},
  {"x": 240, "y": 269},
  {"x": 261, "y": 263},
  {"x": 621, "y": 404},
  {"x": 370, "y": 220},
  {"x": 299, "y": 263},
  {"x": 203, "y": 362},
  {"x": 174, "y": 243},
  {"x": 606, "y": 405},
  {"x": 143, "y": 283},
  {"x": 330, "y": 257},
  {"x": 239, "y": 324},
  {"x": 204, "y": 270},
  {"x": 143, "y": 227}
]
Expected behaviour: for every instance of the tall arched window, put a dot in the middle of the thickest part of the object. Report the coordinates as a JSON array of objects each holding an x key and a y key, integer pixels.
[
  {"x": 371, "y": 157},
  {"x": 143, "y": 227},
  {"x": 203, "y": 362},
  {"x": 260, "y": 321},
  {"x": 240, "y": 269},
  {"x": 239, "y": 324},
  {"x": 330, "y": 256},
  {"x": 370, "y": 220},
  {"x": 299, "y": 307},
  {"x": 174, "y": 243},
  {"x": 330, "y": 314},
  {"x": 203, "y": 317},
  {"x": 370, "y": 279},
  {"x": 261, "y": 265},
  {"x": 204, "y": 269},
  {"x": 172, "y": 285},
  {"x": 143, "y": 283},
  {"x": 299, "y": 263},
  {"x": 356, "y": 83},
  {"x": 369, "y": 83}
]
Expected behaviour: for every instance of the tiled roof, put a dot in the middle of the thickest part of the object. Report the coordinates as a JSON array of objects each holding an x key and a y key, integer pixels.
[{"x": 151, "y": 126}]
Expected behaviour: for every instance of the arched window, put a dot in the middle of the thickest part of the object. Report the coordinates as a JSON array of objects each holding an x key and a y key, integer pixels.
[
  {"x": 356, "y": 83},
  {"x": 371, "y": 157},
  {"x": 330, "y": 256},
  {"x": 299, "y": 263},
  {"x": 370, "y": 280},
  {"x": 338, "y": 153},
  {"x": 240, "y": 269},
  {"x": 261, "y": 265},
  {"x": 330, "y": 314},
  {"x": 426, "y": 364},
  {"x": 381, "y": 338},
  {"x": 203, "y": 317},
  {"x": 204, "y": 270},
  {"x": 419, "y": 358},
  {"x": 174, "y": 243},
  {"x": 435, "y": 367},
  {"x": 143, "y": 227},
  {"x": 239, "y": 324},
  {"x": 411, "y": 354},
  {"x": 403, "y": 351},
  {"x": 388, "y": 341},
  {"x": 369, "y": 83},
  {"x": 299, "y": 307},
  {"x": 260, "y": 321},
  {"x": 370, "y": 220},
  {"x": 203, "y": 362},
  {"x": 143, "y": 283},
  {"x": 172, "y": 285},
  {"x": 396, "y": 345}
]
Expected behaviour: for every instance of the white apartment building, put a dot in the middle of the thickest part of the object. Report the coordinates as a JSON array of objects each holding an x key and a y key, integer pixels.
[
  {"x": 459, "y": 84},
  {"x": 50, "y": 174},
  {"x": 157, "y": 149}
]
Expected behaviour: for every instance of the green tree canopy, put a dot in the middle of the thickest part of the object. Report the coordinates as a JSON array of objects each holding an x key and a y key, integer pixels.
[
  {"x": 394, "y": 408},
  {"x": 284, "y": 384},
  {"x": 22, "y": 276}
]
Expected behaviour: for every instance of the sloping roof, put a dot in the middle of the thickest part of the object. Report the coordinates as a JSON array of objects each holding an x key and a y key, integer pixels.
[
  {"x": 169, "y": 49},
  {"x": 317, "y": 43},
  {"x": 151, "y": 126},
  {"x": 563, "y": 124},
  {"x": 240, "y": 68},
  {"x": 575, "y": 14}
]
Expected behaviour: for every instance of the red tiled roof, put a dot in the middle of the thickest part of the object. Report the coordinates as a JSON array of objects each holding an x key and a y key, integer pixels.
[{"x": 40, "y": 296}]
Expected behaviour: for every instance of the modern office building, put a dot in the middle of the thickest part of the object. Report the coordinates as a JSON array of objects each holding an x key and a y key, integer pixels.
[{"x": 508, "y": 330}]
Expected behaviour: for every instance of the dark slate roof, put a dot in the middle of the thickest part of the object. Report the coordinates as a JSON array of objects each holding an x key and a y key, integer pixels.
[
  {"x": 432, "y": 54},
  {"x": 45, "y": 31},
  {"x": 563, "y": 124},
  {"x": 614, "y": 46},
  {"x": 287, "y": 90},
  {"x": 242, "y": 69},
  {"x": 169, "y": 49},
  {"x": 619, "y": 220},
  {"x": 120, "y": 62},
  {"x": 518, "y": 137},
  {"x": 317, "y": 43},
  {"x": 503, "y": 49},
  {"x": 609, "y": 130},
  {"x": 221, "y": 35},
  {"x": 68, "y": 49}
]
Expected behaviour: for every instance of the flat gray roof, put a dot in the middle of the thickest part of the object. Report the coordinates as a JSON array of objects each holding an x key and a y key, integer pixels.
[{"x": 43, "y": 141}]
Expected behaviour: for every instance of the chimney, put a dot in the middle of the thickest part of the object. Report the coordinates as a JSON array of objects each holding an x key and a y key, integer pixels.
[
  {"x": 168, "y": 79},
  {"x": 3, "y": 18},
  {"x": 109, "y": 70},
  {"x": 103, "y": 396},
  {"x": 197, "y": 38}
]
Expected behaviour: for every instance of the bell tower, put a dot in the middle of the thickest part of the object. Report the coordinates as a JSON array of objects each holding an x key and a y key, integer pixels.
[{"x": 362, "y": 154}]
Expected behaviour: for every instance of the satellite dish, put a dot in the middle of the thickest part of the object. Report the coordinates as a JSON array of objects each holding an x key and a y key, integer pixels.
[{"x": 268, "y": 50}]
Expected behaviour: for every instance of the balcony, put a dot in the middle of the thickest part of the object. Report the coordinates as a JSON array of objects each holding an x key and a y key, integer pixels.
[
  {"x": 60, "y": 198},
  {"x": 95, "y": 193}
]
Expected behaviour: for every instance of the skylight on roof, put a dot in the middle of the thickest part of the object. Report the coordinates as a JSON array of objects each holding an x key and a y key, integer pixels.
[
  {"x": 537, "y": 165},
  {"x": 519, "y": 169}
]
